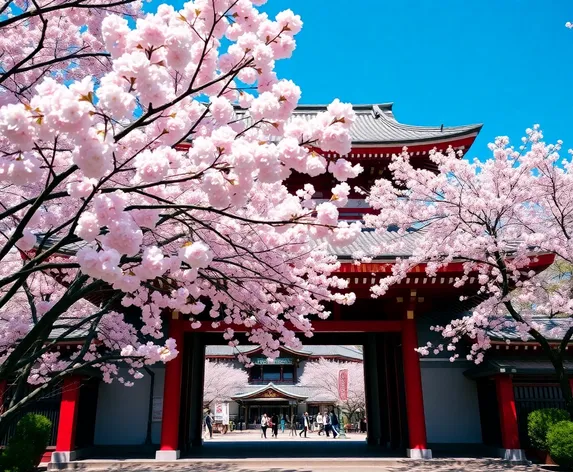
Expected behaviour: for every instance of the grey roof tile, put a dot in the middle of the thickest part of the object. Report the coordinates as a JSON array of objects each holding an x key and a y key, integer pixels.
[
  {"x": 376, "y": 124},
  {"x": 369, "y": 240},
  {"x": 295, "y": 391},
  {"x": 550, "y": 328},
  {"x": 327, "y": 351},
  {"x": 515, "y": 366}
]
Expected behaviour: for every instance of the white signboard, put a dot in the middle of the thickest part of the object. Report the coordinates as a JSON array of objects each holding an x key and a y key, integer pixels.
[
  {"x": 157, "y": 409},
  {"x": 222, "y": 413}
]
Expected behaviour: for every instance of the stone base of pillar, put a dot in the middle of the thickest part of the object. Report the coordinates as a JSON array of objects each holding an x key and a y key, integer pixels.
[
  {"x": 513, "y": 455},
  {"x": 167, "y": 455},
  {"x": 419, "y": 453},
  {"x": 59, "y": 457}
]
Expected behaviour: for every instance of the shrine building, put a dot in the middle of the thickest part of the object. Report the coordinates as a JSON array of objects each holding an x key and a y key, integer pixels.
[
  {"x": 272, "y": 385},
  {"x": 414, "y": 405}
]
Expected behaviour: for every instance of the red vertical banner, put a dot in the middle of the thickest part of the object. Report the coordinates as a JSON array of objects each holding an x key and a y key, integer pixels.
[{"x": 343, "y": 384}]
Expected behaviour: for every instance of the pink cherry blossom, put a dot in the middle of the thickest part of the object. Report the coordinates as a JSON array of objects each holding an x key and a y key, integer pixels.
[
  {"x": 498, "y": 217},
  {"x": 143, "y": 171}
]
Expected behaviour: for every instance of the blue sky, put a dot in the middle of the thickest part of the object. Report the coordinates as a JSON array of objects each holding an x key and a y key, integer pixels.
[{"x": 505, "y": 63}]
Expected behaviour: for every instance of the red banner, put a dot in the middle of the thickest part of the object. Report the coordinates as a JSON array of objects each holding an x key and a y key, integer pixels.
[{"x": 343, "y": 384}]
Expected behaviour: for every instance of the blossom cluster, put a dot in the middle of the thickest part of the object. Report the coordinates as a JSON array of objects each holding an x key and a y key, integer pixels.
[
  {"x": 497, "y": 217},
  {"x": 160, "y": 176}
]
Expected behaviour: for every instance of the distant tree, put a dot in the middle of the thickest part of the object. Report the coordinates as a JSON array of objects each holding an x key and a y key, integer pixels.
[
  {"x": 222, "y": 381},
  {"x": 323, "y": 377}
]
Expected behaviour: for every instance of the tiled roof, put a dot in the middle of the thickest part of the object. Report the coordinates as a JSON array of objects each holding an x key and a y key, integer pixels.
[
  {"x": 552, "y": 329},
  {"x": 369, "y": 240},
  {"x": 347, "y": 352},
  {"x": 309, "y": 394},
  {"x": 376, "y": 124},
  {"x": 515, "y": 366},
  {"x": 228, "y": 350},
  {"x": 292, "y": 391}
]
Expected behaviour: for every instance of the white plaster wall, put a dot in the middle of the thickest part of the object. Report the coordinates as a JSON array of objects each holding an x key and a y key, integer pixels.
[
  {"x": 450, "y": 405},
  {"x": 122, "y": 412},
  {"x": 233, "y": 408}
]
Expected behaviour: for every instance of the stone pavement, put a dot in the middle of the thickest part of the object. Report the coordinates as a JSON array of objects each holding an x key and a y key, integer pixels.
[
  {"x": 246, "y": 451},
  {"x": 252, "y": 435},
  {"x": 309, "y": 465}
]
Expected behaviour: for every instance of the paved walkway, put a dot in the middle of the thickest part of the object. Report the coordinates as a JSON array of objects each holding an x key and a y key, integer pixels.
[
  {"x": 253, "y": 435},
  {"x": 246, "y": 451},
  {"x": 311, "y": 465}
]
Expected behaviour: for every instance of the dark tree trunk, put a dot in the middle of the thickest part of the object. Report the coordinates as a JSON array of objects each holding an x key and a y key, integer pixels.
[{"x": 564, "y": 382}]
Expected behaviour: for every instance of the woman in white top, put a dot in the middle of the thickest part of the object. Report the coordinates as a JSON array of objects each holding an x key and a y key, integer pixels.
[
  {"x": 264, "y": 425},
  {"x": 319, "y": 423}
]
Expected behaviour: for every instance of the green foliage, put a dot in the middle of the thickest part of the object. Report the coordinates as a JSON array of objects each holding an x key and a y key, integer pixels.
[
  {"x": 539, "y": 422},
  {"x": 25, "y": 448},
  {"x": 560, "y": 443}
]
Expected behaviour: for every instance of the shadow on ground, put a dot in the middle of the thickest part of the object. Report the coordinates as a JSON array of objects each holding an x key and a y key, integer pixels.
[
  {"x": 295, "y": 449},
  {"x": 438, "y": 465}
]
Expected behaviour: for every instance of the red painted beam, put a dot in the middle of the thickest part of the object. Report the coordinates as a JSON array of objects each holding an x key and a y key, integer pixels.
[
  {"x": 341, "y": 326},
  {"x": 539, "y": 262},
  {"x": 394, "y": 148}
]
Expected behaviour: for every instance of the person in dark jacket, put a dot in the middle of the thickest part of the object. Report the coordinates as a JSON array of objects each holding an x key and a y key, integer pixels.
[
  {"x": 305, "y": 424},
  {"x": 334, "y": 423},
  {"x": 275, "y": 420},
  {"x": 209, "y": 423}
]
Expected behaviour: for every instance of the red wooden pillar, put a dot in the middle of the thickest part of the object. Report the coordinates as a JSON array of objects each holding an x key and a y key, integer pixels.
[
  {"x": 169, "y": 447},
  {"x": 508, "y": 418},
  {"x": 418, "y": 447},
  {"x": 65, "y": 442}
]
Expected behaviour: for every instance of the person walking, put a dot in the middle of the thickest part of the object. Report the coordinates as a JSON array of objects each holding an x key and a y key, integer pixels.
[
  {"x": 305, "y": 423},
  {"x": 293, "y": 426},
  {"x": 319, "y": 422},
  {"x": 275, "y": 426},
  {"x": 334, "y": 423},
  {"x": 264, "y": 425},
  {"x": 326, "y": 423},
  {"x": 208, "y": 421},
  {"x": 283, "y": 424}
]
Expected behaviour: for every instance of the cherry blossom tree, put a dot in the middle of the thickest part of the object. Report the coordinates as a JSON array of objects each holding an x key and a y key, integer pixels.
[
  {"x": 53, "y": 38},
  {"x": 322, "y": 376},
  {"x": 222, "y": 381},
  {"x": 142, "y": 169},
  {"x": 496, "y": 217}
]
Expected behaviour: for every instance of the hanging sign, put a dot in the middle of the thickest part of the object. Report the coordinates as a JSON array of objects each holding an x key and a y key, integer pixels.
[
  {"x": 343, "y": 384},
  {"x": 277, "y": 361},
  {"x": 157, "y": 409}
]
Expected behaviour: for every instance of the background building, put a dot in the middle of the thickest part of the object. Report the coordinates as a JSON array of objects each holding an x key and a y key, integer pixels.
[{"x": 272, "y": 388}]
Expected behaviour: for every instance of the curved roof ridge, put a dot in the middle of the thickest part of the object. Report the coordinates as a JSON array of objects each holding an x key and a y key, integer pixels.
[{"x": 398, "y": 124}]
